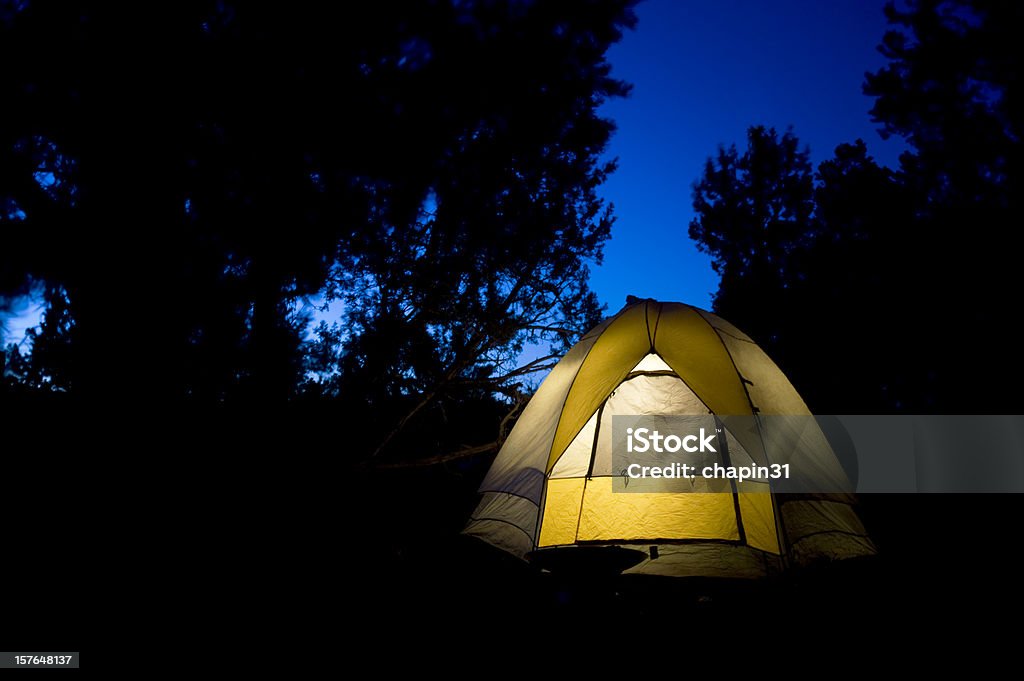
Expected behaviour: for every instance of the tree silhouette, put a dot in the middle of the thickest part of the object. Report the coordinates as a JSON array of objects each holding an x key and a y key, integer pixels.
[
  {"x": 753, "y": 213},
  {"x": 433, "y": 167},
  {"x": 857, "y": 284},
  {"x": 952, "y": 91},
  {"x": 852, "y": 338}
]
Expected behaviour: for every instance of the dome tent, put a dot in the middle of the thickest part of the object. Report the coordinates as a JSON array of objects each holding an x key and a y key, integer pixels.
[{"x": 550, "y": 489}]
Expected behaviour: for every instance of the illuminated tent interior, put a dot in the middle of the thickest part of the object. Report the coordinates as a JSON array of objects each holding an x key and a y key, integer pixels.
[{"x": 550, "y": 489}]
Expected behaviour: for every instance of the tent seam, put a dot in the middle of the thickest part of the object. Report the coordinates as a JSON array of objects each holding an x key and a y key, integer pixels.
[{"x": 565, "y": 400}]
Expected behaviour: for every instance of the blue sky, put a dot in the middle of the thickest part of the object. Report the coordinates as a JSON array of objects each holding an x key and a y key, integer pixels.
[
  {"x": 702, "y": 73},
  {"x": 27, "y": 311}
]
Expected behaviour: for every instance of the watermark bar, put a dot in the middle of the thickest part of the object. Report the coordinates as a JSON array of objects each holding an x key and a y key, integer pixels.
[
  {"x": 31, "y": 660},
  {"x": 815, "y": 454}
]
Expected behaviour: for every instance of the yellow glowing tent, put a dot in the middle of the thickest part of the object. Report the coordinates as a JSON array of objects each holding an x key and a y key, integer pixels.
[{"x": 550, "y": 488}]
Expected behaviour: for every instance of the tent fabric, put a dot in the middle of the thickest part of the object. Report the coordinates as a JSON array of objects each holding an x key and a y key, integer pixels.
[
  {"x": 725, "y": 561},
  {"x": 522, "y": 464},
  {"x": 611, "y": 516},
  {"x": 551, "y": 486},
  {"x": 622, "y": 345},
  {"x": 647, "y": 395}
]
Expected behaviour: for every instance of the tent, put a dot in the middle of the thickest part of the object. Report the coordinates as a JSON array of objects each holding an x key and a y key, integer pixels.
[{"x": 551, "y": 488}]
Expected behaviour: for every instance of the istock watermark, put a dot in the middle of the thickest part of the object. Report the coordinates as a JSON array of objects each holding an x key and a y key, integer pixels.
[
  {"x": 813, "y": 454},
  {"x": 702, "y": 436},
  {"x": 775, "y": 471},
  {"x": 643, "y": 439}
]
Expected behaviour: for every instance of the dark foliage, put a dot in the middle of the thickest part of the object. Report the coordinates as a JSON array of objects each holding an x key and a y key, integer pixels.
[
  {"x": 189, "y": 183},
  {"x": 883, "y": 291},
  {"x": 431, "y": 170},
  {"x": 184, "y": 185}
]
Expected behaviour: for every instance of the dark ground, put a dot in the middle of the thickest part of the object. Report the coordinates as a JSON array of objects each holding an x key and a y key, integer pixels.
[{"x": 253, "y": 531}]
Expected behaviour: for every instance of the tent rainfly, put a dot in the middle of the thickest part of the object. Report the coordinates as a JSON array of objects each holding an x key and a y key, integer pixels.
[{"x": 550, "y": 489}]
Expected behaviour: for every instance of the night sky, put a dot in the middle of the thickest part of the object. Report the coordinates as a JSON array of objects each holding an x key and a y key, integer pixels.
[{"x": 702, "y": 73}]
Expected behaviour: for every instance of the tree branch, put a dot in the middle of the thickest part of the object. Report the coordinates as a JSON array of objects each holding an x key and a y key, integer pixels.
[
  {"x": 561, "y": 330},
  {"x": 471, "y": 351},
  {"x": 441, "y": 458}
]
